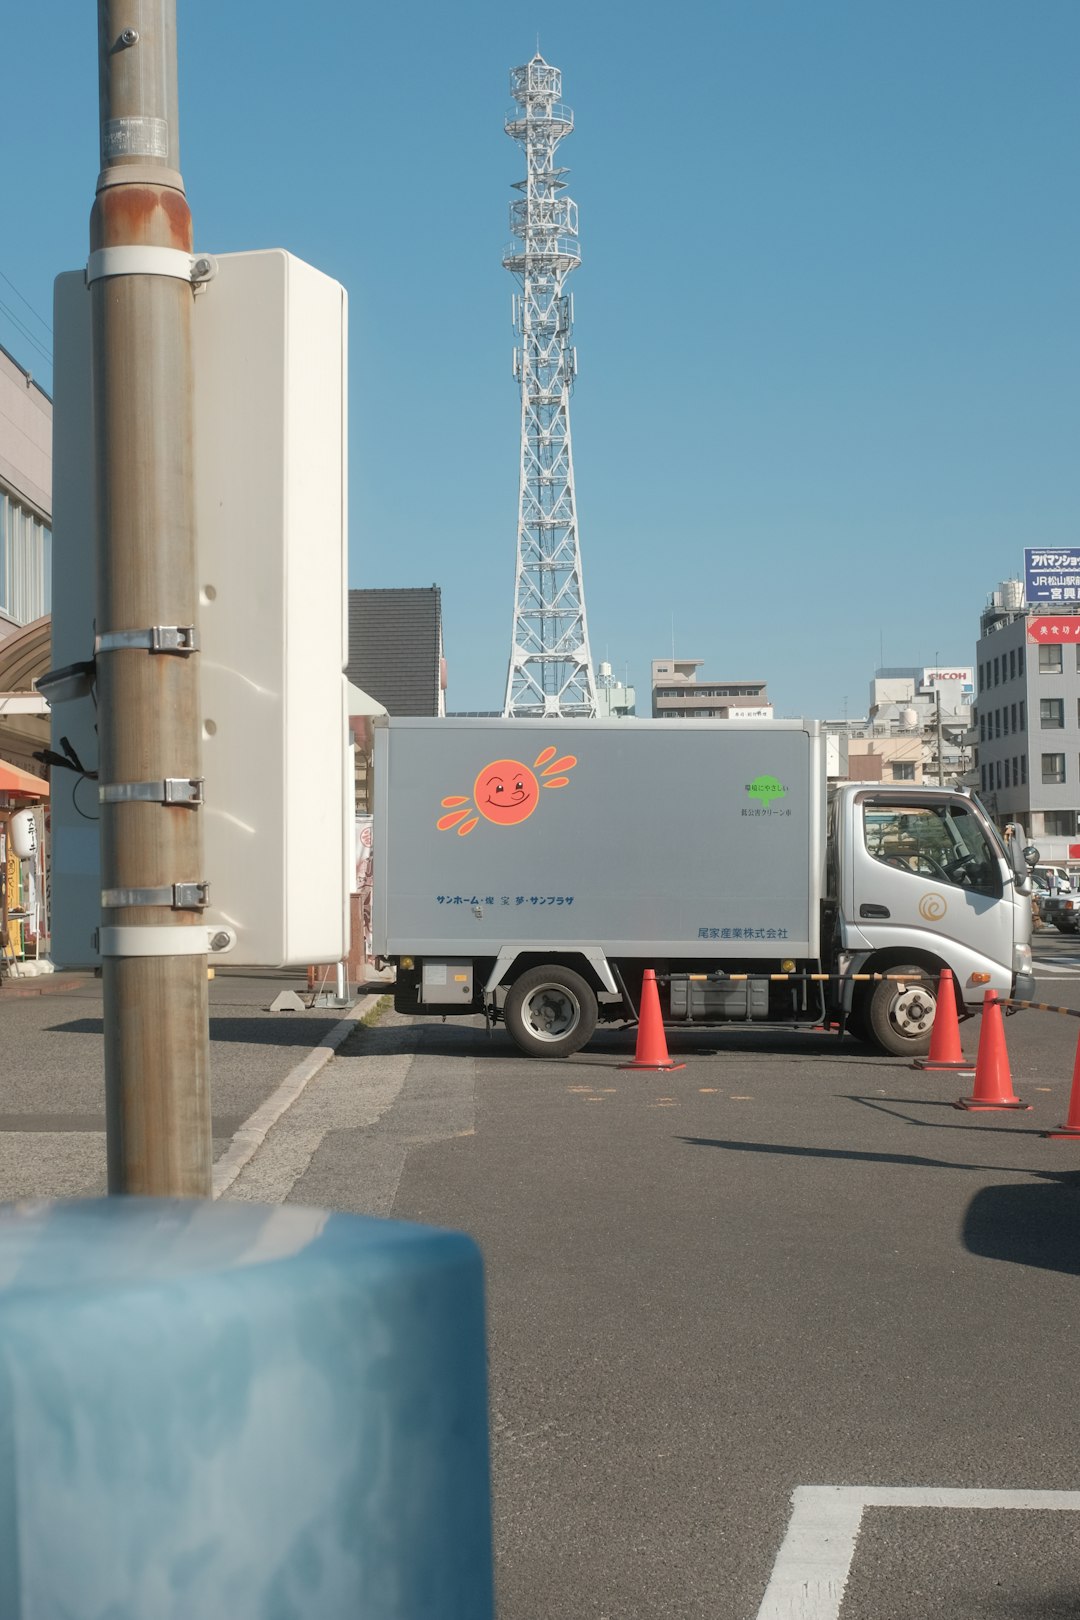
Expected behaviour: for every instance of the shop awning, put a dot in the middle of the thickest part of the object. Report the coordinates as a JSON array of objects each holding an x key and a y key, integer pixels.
[{"x": 12, "y": 780}]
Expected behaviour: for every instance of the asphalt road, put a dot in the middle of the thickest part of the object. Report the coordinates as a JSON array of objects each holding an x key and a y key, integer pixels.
[
  {"x": 52, "y": 1093},
  {"x": 792, "y": 1263}
]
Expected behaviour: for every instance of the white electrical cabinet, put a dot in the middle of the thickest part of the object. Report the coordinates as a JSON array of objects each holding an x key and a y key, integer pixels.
[{"x": 271, "y": 523}]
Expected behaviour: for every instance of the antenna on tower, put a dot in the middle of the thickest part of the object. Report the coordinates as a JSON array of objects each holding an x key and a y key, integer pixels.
[{"x": 550, "y": 673}]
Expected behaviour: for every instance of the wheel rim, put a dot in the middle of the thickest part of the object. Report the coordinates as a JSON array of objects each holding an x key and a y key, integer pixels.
[
  {"x": 912, "y": 1012},
  {"x": 550, "y": 1012}
]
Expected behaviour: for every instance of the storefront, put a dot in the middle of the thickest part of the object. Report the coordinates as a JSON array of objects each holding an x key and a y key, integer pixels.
[{"x": 24, "y": 802}]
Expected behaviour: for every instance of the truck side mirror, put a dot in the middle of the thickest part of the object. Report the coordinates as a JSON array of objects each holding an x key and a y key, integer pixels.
[{"x": 1022, "y": 858}]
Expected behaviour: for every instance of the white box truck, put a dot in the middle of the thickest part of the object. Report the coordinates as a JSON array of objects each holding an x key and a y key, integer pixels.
[{"x": 531, "y": 871}]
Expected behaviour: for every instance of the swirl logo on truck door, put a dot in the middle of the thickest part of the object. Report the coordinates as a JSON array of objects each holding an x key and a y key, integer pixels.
[{"x": 505, "y": 792}]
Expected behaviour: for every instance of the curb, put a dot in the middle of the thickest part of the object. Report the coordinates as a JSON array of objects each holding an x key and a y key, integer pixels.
[
  {"x": 251, "y": 1135},
  {"x": 47, "y": 984}
]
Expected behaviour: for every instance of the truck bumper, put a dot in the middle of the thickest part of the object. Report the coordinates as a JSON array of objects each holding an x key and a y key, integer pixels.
[{"x": 1023, "y": 987}]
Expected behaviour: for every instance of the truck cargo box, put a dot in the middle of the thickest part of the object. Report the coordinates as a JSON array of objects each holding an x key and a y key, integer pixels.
[{"x": 648, "y": 838}]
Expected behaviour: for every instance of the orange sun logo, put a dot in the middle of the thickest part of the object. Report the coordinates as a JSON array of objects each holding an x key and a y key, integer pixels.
[{"x": 505, "y": 792}]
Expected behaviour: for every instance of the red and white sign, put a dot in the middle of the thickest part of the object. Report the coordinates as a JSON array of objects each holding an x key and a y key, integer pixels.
[{"x": 1047, "y": 630}]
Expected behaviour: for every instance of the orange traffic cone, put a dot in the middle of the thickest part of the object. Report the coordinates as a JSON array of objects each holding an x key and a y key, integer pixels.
[
  {"x": 945, "y": 1051},
  {"x": 1071, "y": 1126},
  {"x": 993, "y": 1079},
  {"x": 651, "y": 1051}
]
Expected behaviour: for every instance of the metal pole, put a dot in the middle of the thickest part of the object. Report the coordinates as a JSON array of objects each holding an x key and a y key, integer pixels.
[
  {"x": 156, "y": 1017},
  {"x": 940, "y": 743}
]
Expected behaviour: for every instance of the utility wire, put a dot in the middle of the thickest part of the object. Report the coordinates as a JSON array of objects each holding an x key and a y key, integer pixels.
[
  {"x": 26, "y": 332},
  {"x": 27, "y": 302}
]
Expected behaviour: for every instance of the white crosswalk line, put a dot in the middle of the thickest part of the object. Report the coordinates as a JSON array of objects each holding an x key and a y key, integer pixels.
[{"x": 1057, "y": 964}]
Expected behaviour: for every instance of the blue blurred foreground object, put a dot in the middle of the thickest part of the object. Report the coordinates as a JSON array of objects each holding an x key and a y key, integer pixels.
[{"x": 233, "y": 1411}]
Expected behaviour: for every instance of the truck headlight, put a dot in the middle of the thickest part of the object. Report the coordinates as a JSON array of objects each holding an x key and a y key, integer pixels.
[{"x": 1021, "y": 959}]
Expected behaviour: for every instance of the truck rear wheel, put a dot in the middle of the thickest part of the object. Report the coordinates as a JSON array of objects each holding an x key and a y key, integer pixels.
[
  {"x": 901, "y": 1015},
  {"x": 550, "y": 1012}
]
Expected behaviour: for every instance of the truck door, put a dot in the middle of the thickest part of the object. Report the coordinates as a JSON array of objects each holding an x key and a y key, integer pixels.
[{"x": 925, "y": 875}]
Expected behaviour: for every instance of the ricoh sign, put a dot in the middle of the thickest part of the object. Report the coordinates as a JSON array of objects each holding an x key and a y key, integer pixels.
[{"x": 964, "y": 677}]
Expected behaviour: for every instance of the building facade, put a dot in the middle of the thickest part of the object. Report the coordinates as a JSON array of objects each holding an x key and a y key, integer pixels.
[
  {"x": 678, "y": 693},
  {"x": 396, "y": 648},
  {"x": 615, "y": 700},
  {"x": 1028, "y": 705},
  {"x": 918, "y": 727},
  {"x": 25, "y": 497},
  {"x": 25, "y": 562}
]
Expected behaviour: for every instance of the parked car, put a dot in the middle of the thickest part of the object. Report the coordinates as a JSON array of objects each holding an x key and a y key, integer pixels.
[{"x": 1058, "y": 903}]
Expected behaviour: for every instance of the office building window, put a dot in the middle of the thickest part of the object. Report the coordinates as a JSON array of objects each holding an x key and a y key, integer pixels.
[
  {"x": 1059, "y": 823},
  {"x": 1014, "y": 716},
  {"x": 997, "y": 722},
  {"x": 1016, "y": 771},
  {"x": 903, "y": 770},
  {"x": 1020, "y": 662},
  {"x": 25, "y": 562},
  {"x": 1053, "y": 768},
  {"x": 1007, "y": 781},
  {"x": 1051, "y": 710},
  {"x": 982, "y": 776},
  {"x": 1023, "y": 770},
  {"x": 982, "y": 724},
  {"x": 1049, "y": 660},
  {"x": 997, "y": 671},
  {"x": 998, "y": 771},
  {"x": 1023, "y": 727},
  {"x": 1012, "y": 665},
  {"x": 1005, "y": 721}
]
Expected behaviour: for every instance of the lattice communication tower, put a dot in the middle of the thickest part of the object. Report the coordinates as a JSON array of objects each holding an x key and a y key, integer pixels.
[{"x": 550, "y": 674}]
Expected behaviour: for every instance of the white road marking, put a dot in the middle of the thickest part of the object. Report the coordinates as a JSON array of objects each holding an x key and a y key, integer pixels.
[
  {"x": 812, "y": 1566},
  {"x": 1049, "y": 968}
]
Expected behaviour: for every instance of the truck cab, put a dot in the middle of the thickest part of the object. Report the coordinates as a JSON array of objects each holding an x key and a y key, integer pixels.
[{"x": 924, "y": 881}]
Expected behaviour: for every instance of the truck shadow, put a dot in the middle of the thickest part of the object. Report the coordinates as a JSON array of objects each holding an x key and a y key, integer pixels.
[
  {"x": 793, "y": 1044},
  {"x": 609, "y": 1048}
]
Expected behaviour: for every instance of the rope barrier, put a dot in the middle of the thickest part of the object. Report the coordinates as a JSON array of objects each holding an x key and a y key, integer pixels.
[
  {"x": 800, "y": 978},
  {"x": 1040, "y": 1006},
  {"x": 855, "y": 978}
]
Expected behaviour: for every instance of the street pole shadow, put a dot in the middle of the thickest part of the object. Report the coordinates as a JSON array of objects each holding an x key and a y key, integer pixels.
[
  {"x": 1031, "y": 1223},
  {"x": 850, "y": 1155}
]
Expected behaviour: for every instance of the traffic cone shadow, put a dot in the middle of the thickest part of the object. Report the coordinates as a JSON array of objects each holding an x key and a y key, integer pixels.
[
  {"x": 1071, "y": 1127},
  {"x": 651, "y": 1051},
  {"x": 993, "y": 1078},
  {"x": 945, "y": 1050}
]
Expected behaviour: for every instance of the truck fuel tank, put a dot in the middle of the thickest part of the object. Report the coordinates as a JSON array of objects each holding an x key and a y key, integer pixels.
[{"x": 694, "y": 997}]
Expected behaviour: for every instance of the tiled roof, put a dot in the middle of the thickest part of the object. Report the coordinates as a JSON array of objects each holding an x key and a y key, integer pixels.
[{"x": 395, "y": 647}]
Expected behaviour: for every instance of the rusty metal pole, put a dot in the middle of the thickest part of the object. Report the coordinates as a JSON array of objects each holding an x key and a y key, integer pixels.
[{"x": 155, "y": 991}]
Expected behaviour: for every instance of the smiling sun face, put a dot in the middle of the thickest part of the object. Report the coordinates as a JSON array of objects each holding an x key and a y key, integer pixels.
[{"x": 505, "y": 792}]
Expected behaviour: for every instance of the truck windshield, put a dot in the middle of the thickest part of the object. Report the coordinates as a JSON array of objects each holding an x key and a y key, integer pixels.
[{"x": 946, "y": 842}]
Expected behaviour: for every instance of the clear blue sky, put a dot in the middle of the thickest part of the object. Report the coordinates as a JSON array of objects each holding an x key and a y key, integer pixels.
[{"x": 827, "y": 315}]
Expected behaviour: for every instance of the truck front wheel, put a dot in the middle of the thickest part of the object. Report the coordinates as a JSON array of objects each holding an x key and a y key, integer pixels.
[
  {"x": 901, "y": 1014},
  {"x": 550, "y": 1012}
]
